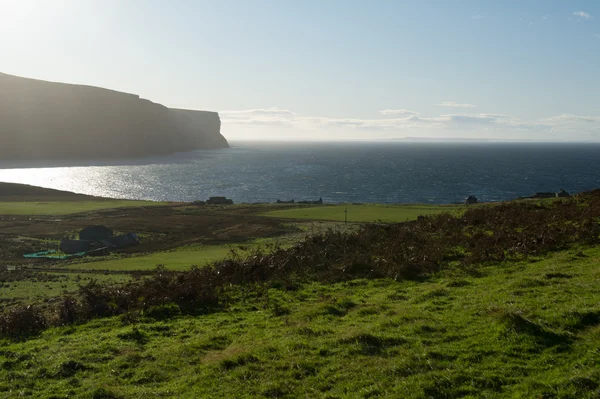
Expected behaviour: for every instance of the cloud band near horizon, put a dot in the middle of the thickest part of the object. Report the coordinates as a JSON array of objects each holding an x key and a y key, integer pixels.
[{"x": 406, "y": 121}]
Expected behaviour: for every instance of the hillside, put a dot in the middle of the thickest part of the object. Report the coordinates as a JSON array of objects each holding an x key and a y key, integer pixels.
[
  {"x": 496, "y": 301},
  {"x": 46, "y": 120},
  {"x": 25, "y": 193}
]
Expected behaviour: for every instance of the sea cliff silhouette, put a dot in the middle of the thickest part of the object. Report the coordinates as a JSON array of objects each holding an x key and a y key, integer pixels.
[{"x": 47, "y": 120}]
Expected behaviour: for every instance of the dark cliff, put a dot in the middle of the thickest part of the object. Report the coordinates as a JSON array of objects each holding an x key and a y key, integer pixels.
[{"x": 45, "y": 120}]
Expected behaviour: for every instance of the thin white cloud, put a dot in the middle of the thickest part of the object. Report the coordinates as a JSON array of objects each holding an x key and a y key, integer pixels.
[
  {"x": 455, "y": 105},
  {"x": 582, "y": 14},
  {"x": 398, "y": 112},
  {"x": 400, "y": 121},
  {"x": 258, "y": 117},
  {"x": 274, "y": 111},
  {"x": 574, "y": 118}
]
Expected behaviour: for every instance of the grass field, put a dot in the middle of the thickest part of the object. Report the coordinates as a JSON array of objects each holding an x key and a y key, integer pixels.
[
  {"x": 40, "y": 285},
  {"x": 518, "y": 330},
  {"x": 364, "y": 213},
  {"x": 56, "y": 208},
  {"x": 184, "y": 258},
  {"x": 178, "y": 259}
]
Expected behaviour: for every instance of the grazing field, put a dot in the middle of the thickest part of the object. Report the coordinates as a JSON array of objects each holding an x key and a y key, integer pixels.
[
  {"x": 183, "y": 258},
  {"x": 30, "y": 226},
  {"x": 58, "y": 208},
  {"x": 178, "y": 259},
  {"x": 497, "y": 302},
  {"x": 36, "y": 286},
  {"x": 527, "y": 329},
  {"x": 364, "y": 213}
]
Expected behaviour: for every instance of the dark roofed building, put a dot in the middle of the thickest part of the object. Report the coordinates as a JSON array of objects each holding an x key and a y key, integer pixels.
[
  {"x": 74, "y": 246},
  {"x": 471, "y": 199},
  {"x": 219, "y": 201},
  {"x": 124, "y": 241},
  {"x": 562, "y": 194},
  {"x": 95, "y": 233}
]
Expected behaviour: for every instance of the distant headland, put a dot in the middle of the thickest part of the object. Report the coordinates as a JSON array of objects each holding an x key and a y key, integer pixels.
[{"x": 42, "y": 120}]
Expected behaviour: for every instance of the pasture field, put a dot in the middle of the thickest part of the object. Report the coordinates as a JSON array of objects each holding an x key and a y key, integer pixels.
[
  {"x": 36, "y": 286},
  {"x": 517, "y": 330},
  {"x": 365, "y": 213},
  {"x": 182, "y": 258},
  {"x": 497, "y": 303},
  {"x": 59, "y": 208}
]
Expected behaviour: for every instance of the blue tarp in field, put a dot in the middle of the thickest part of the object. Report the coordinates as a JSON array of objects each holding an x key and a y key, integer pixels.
[{"x": 51, "y": 254}]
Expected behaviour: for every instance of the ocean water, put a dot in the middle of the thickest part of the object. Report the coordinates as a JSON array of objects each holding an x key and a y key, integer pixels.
[{"x": 359, "y": 172}]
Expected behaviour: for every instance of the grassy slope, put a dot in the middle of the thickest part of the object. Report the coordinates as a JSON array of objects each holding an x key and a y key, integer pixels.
[
  {"x": 178, "y": 259},
  {"x": 183, "y": 258},
  {"x": 22, "y": 199},
  {"x": 43, "y": 286},
  {"x": 515, "y": 330},
  {"x": 364, "y": 213},
  {"x": 54, "y": 208}
]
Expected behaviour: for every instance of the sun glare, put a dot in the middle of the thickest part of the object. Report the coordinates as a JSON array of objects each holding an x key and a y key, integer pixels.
[{"x": 23, "y": 19}]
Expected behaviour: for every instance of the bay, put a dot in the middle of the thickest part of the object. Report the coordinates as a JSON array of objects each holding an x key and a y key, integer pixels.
[{"x": 357, "y": 172}]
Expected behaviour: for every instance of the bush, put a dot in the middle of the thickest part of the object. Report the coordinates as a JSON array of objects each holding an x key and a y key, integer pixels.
[{"x": 22, "y": 322}]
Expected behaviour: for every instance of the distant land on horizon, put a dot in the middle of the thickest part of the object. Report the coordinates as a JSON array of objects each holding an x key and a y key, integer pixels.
[
  {"x": 482, "y": 140},
  {"x": 41, "y": 120}
]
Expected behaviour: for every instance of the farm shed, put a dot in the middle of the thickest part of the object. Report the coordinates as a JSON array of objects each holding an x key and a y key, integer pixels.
[
  {"x": 96, "y": 233},
  {"x": 74, "y": 246}
]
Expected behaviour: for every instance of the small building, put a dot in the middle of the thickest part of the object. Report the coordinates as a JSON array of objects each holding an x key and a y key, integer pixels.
[
  {"x": 317, "y": 202},
  {"x": 219, "y": 201},
  {"x": 542, "y": 195},
  {"x": 562, "y": 194},
  {"x": 124, "y": 241},
  {"x": 471, "y": 199},
  {"x": 75, "y": 246},
  {"x": 284, "y": 202},
  {"x": 96, "y": 233}
]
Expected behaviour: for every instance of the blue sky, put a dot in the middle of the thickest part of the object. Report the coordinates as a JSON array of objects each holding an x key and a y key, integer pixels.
[{"x": 329, "y": 69}]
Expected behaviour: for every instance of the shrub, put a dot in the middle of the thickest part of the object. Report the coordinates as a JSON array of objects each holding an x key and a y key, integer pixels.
[{"x": 22, "y": 322}]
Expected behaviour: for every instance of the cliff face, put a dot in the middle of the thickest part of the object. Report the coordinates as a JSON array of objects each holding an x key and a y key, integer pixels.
[{"x": 45, "y": 120}]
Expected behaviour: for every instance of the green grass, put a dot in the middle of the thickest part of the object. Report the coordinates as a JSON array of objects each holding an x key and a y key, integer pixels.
[
  {"x": 364, "y": 213},
  {"x": 42, "y": 286},
  {"x": 514, "y": 330},
  {"x": 55, "y": 208},
  {"x": 182, "y": 258}
]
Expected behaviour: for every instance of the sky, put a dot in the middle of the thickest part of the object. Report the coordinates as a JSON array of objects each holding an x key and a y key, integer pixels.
[{"x": 329, "y": 69}]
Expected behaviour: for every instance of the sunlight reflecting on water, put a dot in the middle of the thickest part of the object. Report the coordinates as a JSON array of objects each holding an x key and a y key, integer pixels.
[{"x": 356, "y": 172}]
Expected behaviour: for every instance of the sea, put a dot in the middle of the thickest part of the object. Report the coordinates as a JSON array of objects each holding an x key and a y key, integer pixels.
[{"x": 387, "y": 172}]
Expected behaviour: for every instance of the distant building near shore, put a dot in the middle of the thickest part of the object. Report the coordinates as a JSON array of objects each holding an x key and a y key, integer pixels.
[
  {"x": 317, "y": 202},
  {"x": 471, "y": 199},
  {"x": 541, "y": 195},
  {"x": 219, "y": 201},
  {"x": 284, "y": 202}
]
